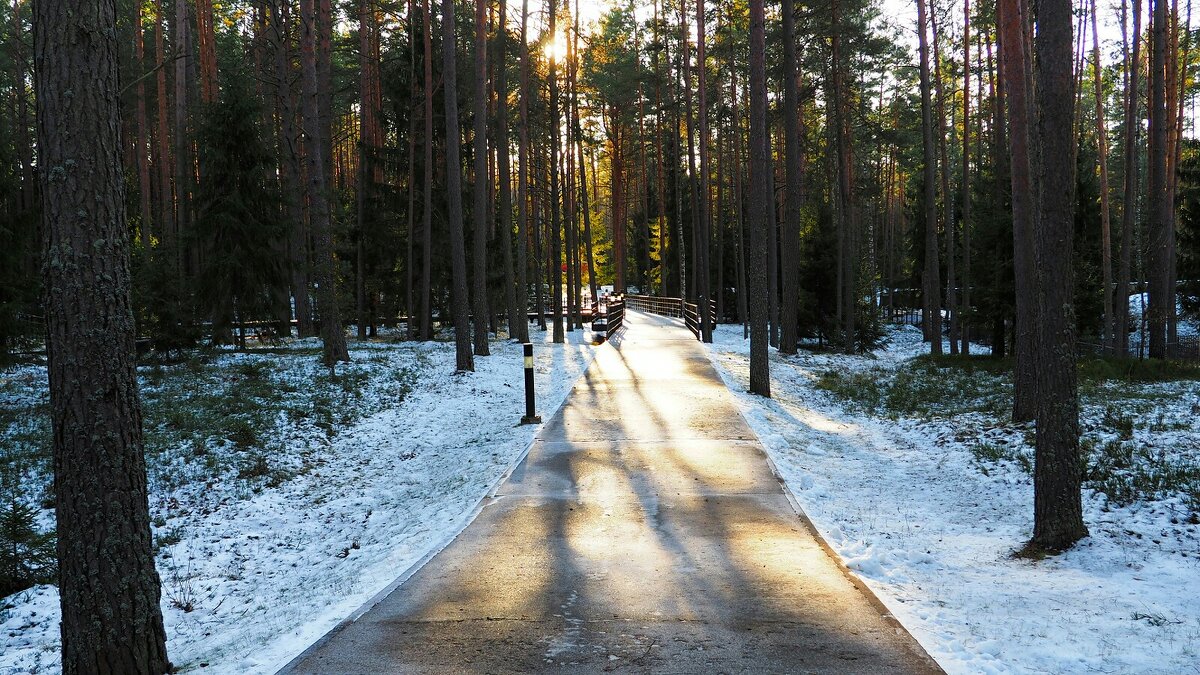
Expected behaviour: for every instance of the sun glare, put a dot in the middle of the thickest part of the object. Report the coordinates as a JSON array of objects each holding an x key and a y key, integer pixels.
[{"x": 556, "y": 49}]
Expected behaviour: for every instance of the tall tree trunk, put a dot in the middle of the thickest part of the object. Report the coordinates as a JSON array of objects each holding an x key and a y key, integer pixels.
[
  {"x": 206, "y": 37},
  {"x": 616, "y": 138},
  {"x": 1015, "y": 59},
  {"x": 515, "y": 315},
  {"x": 333, "y": 338},
  {"x": 848, "y": 228},
  {"x": 964, "y": 313},
  {"x": 1132, "y": 125},
  {"x": 479, "y": 188},
  {"x": 459, "y": 300},
  {"x": 145, "y": 197},
  {"x": 790, "y": 301},
  {"x": 947, "y": 200},
  {"x": 289, "y": 167},
  {"x": 738, "y": 207},
  {"x": 1058, "y": 510},
  {"x": 556, "y": 280},
  {"x": 760, "y": 167},
  {"x": 109, "y": 590},
  {"x": 932, "y": 288},
  {"x": 1158, "y": 272},
  {"x": 587, "y": 217},
  {"x": 162, "y": 157},
  {"x": 703, "y": 268},
  {"x": 523, "y": 184},
  {"x": 184, "y": 175},
  {"x": 368, "y": 148},
  {"x": 1102, "y": 161},
  {"x": 410, "y": 304},
  {"x": 325, "y": 87},
  {"x": 427, "y": 171}
]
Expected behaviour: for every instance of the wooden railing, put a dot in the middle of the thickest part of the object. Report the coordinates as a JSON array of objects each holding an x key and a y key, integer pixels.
[
  {"x": 674, "y": 307},
  {"x": 656, "y": 305},
  {"x": 614, "y": 317}
]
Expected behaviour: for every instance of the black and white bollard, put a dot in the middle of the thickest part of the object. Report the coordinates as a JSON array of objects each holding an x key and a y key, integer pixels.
[{"x": 531, "y": 416}]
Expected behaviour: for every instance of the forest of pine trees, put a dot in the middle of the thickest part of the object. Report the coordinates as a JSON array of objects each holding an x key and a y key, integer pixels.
[
  {"x": 815, "y": 168},
  {"x": 287, "y": 163}
]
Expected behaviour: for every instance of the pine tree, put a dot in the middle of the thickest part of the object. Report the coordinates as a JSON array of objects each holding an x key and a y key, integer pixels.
[{"x": 108, "y": 587}]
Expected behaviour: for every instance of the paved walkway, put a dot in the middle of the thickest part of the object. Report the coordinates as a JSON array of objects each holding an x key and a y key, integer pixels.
[{"x": 645, "y": 532}]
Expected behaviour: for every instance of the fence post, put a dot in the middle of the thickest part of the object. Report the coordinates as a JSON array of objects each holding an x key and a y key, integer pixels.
[{"x": 531, "y": 416}]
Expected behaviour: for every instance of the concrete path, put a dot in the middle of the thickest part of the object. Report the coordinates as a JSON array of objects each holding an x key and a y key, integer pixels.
[{"x": 645, "y": 532}]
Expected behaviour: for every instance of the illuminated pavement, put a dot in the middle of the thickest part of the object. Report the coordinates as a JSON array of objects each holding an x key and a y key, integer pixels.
[{"x": 645, "y": 532}]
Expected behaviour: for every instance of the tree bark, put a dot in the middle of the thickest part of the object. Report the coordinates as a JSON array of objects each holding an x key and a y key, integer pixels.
[
  {"x": 109, "y": 589},
  {"x": 333, "y": 338},
  {"x": 1058, "y": 510},
  {"x": 760, "y": 376}
]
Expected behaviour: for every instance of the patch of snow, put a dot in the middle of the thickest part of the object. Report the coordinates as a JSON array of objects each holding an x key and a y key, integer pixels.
[
  {"x": 910, "y": 511},
  {"x": 269, "y": 572}
]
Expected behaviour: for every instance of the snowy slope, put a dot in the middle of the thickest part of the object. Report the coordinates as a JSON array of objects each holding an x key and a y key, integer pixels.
[
  {"x": 269, "y": 571},
  {"x": 914, "y": 514}
]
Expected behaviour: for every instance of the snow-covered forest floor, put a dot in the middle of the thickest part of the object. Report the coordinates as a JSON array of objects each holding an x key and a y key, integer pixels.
[
  {"x": 284, "y": 498},
  {"x": 912, "y": 472}
]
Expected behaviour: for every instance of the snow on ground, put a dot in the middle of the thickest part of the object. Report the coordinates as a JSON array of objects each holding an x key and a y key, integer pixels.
[
  {"x": 931, "y": 527},
  {"x": 267, "y": 567}
]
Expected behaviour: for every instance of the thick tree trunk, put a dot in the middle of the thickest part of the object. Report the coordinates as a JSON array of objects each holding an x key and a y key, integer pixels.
[
  {"x": 1058, "y": 510},
  {"x": 760, "y": 167},
  {"x": 108, "y": 587},
  {"x": 333, "y": 338},
  {"x": 1015, "y": 58},
  {"x": 932, "y": 321}
]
